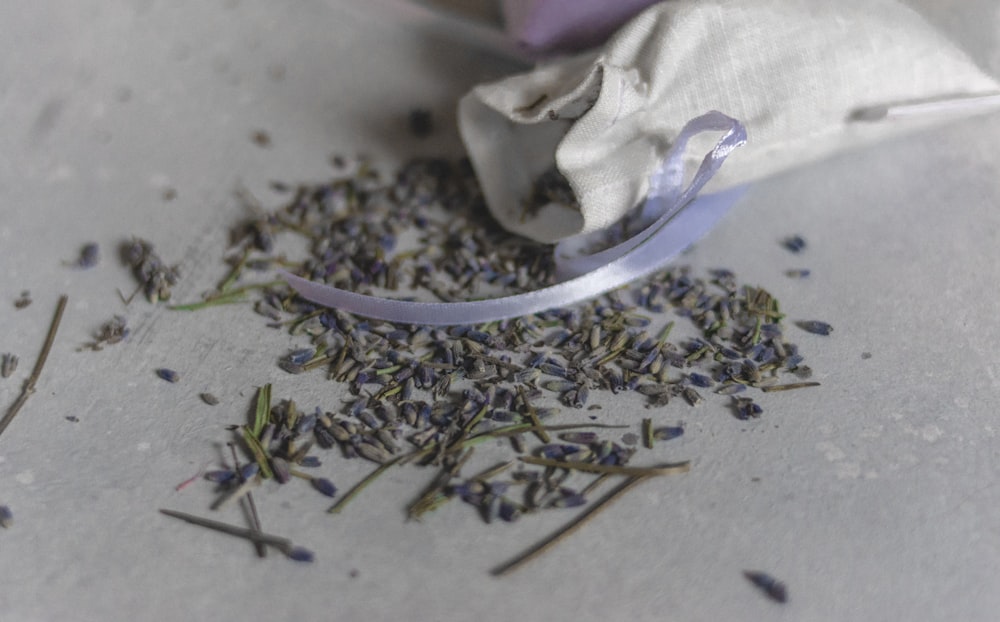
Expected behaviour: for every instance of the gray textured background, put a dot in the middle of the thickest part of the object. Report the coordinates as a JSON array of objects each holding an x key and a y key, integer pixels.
[{"x": 874, "y": 497}]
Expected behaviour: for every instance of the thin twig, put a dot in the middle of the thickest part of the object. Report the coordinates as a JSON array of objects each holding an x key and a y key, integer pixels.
[
  {"x": 338, "y": 506},
  {"x": 254, "y": 517},
  {"x": 590, "y": 467},
  {"x": 788, "y": 387},
  {"x": 282, "y": 544},
  {"x": 569, "y": 529},
  {"x": 29, "y": 384}
]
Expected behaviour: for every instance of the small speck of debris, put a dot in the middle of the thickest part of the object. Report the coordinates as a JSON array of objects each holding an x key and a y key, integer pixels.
[
  {"x": 112, "y": 332},
  {"x": 261, "y": 138},
  {"x": 72, "y": 418},
  {"x": 354, "y": 574},
  {"x": 23, "y": 301},
  {"x": 794, "y": 243},
  {"x": 168, "y": 194},
  {"x": 277, "y": 72},
  {"x": 209, "y": 399},
  {"x": 866, "y": 355},
  {"x": 630, "y": 438}
]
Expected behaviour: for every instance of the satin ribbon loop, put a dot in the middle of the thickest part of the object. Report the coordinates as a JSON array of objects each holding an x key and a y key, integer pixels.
[
  {"x": 674, "y": 230},
  {"x": 667, "y": 195}
]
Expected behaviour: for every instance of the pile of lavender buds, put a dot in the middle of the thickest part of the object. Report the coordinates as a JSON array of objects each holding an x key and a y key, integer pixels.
[{"x": 426, "y": 396}]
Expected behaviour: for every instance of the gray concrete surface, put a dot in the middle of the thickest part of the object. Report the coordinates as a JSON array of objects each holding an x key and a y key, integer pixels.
[{"x": 874, "y": 497}]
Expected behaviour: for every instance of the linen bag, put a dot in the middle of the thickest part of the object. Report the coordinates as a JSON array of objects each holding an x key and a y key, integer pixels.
[{"x": 805, "y": 78}]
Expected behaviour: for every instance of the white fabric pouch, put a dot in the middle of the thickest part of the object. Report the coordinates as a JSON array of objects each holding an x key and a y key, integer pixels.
[{"x": 805, "y": 78}]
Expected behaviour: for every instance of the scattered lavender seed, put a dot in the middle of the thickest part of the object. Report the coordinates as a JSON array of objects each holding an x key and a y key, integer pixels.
[
  {"x": 8, "y": 364},
  {"x": 168, "y": 374},
  {"x": 261, "y": 138},
  {"x": 700, "y": 380},
  {"x": 23, "y": 301},
  {"x": 300, "y": 554},
  {"x": 799, "y": 273},
  {"x": 209, "y": 399},
  {"x": 90, "y": 256},
  {"x": 155, "y": 278},
  {"x": 249, "y": 470},
  {"x": 432, "y": 388},
  {"x": 324, "y": 486},
  {"x": 668, "y": 433},
  {"x": 815, "y": 327},
  {"x": 112, "y": 332},
  {"x": 6, "y": 517},
  {"x": 310, "y": 462},
  {"x": 281, "y": 469},
  {"x": 774, "y": 589},
  {"x": 220, "y": 476},
  {"x": 795, "y": 243}
]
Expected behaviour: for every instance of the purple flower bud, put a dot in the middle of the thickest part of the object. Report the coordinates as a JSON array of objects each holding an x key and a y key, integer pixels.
[
  {"x": 249, "y": 470},
  {"x": 168, "y": 374},
  {"x": 300, "y": 554},
  {"x": 220, "y": 477},
  {"x": 324, "y": 486}
]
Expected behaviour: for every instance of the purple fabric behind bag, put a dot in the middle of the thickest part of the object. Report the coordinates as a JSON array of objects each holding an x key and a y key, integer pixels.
[{"x": 547, "y": 26}]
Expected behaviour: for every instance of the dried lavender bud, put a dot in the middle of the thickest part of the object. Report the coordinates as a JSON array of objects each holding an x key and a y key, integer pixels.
[
  {"x": 794, "y": 243},
  {"x": 324, "y": 486},
  {"x": 774, "y": 589},
  {"x": 746, "y": 408},
  {"x": 209, "y": 399},
  {"x": 667, "y": 433},
  {"x": 249, "y": 470},
  {"x": 300, "y": 554},
  {"x": 6, "y": 517},
  {"x": 168, "y": 374},
  {"x": 282, "y": 472},
  {"x": 815, "y": 327},
  {"x": 155, "y": 278},
  {"x": 8, "y": 364},
  {"x": 310, "y": 462},
  {"x": 90, "y": 256},
  {"x": 111, "y": 332},
  {"x": 509, "y": 512},
  {"x": 434, "y": 388},
  {"x": 700, "y": 380},
  {"x": 221, "y": 476}
]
